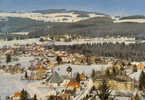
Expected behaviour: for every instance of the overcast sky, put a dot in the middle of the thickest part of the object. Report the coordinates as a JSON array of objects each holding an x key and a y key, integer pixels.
[{"x": 114, "y": 7}]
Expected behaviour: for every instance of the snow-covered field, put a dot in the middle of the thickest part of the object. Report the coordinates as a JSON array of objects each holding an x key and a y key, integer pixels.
[
  {"x": 53, "y": 17},
  {"x": 99, "y": 40},
  {"x": 9, "y": 84},
  {"x": 22, "y": 42},
  {"x": 86, "y": 69},
  {"x": 130, "y": 20},
  {"x": 24, "y": 61}
]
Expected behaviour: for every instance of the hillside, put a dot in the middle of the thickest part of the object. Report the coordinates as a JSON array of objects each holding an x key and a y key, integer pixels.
[
  {"x": 15, "y": 24},
  {"x": 96, "y": 27},
  {"x": 133, "y": 17},
  {"x": 90, "y": 26},
  {"x": 51, "y": 11}
]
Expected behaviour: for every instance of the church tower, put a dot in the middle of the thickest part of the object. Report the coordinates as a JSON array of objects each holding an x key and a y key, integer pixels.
[{"x": 69, "y": 72}]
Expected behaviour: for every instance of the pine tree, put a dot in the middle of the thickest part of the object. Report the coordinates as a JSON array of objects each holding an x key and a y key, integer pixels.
[
  {"x": 136, "y": 97},
  {"x": 93, "y": 74},
  {"x": 114, "y": 71},
  {"x": 103, "y": 92},
  {"x": 26, "y": 75},
  {"x": 24, "y": 95},
  {"x": 35, "y": 97},
  {"x": 8, "y": 58},
  {"x": 78, "y": 77},
  {"x": 107, "y": 73},
  {"x": 58, "y": 59},
  {"x": 135, "y": 68},
  {"x": 142, "y": 81}
]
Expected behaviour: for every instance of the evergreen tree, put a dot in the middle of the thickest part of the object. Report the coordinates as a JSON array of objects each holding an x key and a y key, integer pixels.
[
  {"x": 78, "y": 77},
  {"x": 134, "y": 68},
  {"x": 35, "y": 97},
  {"x": 114, "y": 71},
  {"x": 24, "y": 95},
  {"x": 136, "y": 97},
  {"x": 26, "y": 75},
  {"x": 58, "y": 59},
  {"x": 107, "y": 73},
  {"x": 103, "y": 92},
  {"x": 93, "y": 74},
  {"x": 142, "y": 81},
  {"x": 8, "y": 58}
]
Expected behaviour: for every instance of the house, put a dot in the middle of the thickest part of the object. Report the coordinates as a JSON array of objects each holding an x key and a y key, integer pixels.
[
  {"x": 140, "y": 66},
  {"x": 83, "y": 77},
  {"x": 135, "y": 67},
  {"x": 36, "y": 73},
  {"x": 13, "y": 69},
  {"x": 78, "y": 59},
  {"x": 55, "y": 98},
  {"x": 118, "y": 83},
  {"x": 65, "y": 96},
  {"x": 66, "y": 59},
  {"x": 52, "y": 63},
  {"x": 52, "y": 92},
  {"x": 16, "y": 96},
  {"x": 94, "y": 60},
  {"x": 40, "y": 72},
  {"x": 73, "y": 85}
]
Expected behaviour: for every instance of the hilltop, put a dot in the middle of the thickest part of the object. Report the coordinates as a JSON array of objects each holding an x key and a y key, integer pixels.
[
  {"x": 62, "y": 21},
  {"x": 51, "y": 11},
  {"x": 133, "y": 17},
  {"x": 16, "y": 24}
]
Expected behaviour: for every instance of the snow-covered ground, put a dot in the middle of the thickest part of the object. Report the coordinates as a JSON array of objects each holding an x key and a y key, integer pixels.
[
  {"x": 24, "y": 61},
  {"x": 96, "y": 40},
  {"x": 9, "y": 84},
  {"x": 86, "y": 69},
  {"x": 53, "y": 17},
  {"x": 136, "y": 75},
  {"x": 20, "y": 33},
  {"x": 22, "y": 42},
  {"x": 130, "y": 20},
  {"x": 42, "y": 91}
]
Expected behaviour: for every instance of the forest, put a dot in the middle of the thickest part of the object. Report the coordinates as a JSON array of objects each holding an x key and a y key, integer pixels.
[
  {"x": 94, "y": 27},
  {"x": 131, "y": 52}
]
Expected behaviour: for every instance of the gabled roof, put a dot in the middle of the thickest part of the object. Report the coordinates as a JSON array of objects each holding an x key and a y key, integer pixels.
[
  {"x": 41, "y": 68},
  {"x": 17, "y": 94},
  {"x": 73, "y": 84},
  {"x": 55, "y": 78}
]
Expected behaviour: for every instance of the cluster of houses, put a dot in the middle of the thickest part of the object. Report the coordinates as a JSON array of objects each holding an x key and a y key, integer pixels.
[
  {"x": 68, "y": 85},
  {"x": 46, "y": 58},
  {"x": 62, "y": 37},
  {"x": 43, "y": 52}
]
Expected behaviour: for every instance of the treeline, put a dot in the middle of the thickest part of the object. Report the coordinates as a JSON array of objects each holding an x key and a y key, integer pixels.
[
  {"x": 131, "y": 52},
  {"x": 16, "y": 24},
  {"x": 133, "y": 17},
  {"x": 95, "y": 27}
]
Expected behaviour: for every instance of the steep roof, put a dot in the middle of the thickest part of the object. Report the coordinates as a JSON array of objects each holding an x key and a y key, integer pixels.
[
  {"x": 73, "y": 84},
  {"x": 17, "y": 94},
  {"x": 55, "y": 78}
]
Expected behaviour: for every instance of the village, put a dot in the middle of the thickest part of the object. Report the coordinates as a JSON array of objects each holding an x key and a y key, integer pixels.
[{"x": 48, "y": 74}]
